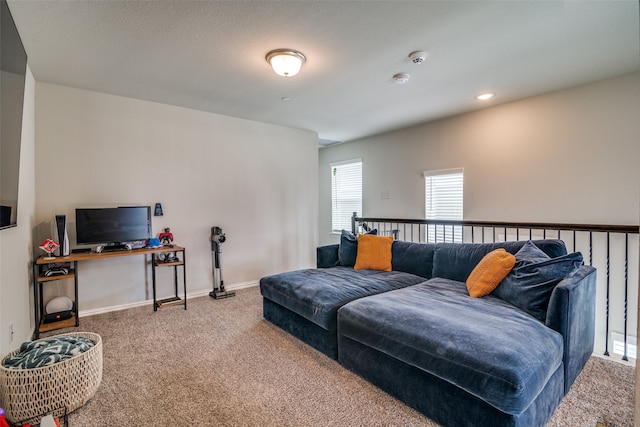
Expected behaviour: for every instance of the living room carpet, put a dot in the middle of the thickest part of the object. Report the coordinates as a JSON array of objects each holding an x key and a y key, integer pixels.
[{"x": 219, "y": 363}]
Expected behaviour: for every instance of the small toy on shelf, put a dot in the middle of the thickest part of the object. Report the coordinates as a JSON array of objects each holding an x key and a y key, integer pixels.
[
  {"x": 166, "y": 237},
  {"x": 49, "y": 246}
]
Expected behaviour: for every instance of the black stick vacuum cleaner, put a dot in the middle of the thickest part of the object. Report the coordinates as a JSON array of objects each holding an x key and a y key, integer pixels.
[{"x": 217, "y": 239}]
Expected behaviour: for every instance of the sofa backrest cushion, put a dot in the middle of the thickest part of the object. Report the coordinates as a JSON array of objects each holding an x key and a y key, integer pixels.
[
  {"x": 348, "y": 249},
  {"x": 530, "y": 284},
  {"x": 414, "y": 258},
  {"x": 455, "y": 261}
]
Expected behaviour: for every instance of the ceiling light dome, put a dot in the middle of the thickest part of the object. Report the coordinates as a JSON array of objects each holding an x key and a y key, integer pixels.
[
  {"x": 286, "y": 62},
  {"x": 485, "y": 96},
  {"x": 401, "y": 78}
]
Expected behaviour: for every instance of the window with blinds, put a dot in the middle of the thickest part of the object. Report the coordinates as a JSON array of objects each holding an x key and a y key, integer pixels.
[
  {"x": 346, "y": 193},
  {"x": 444, "y": 201}
]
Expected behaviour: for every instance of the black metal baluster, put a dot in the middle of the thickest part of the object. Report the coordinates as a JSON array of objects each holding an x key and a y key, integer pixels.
[
  {"x": 626, "y": 291},
  {"x": 606, "y": 330}
]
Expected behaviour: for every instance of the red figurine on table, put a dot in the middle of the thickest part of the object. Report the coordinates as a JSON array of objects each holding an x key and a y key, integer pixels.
[{"x": 166, "y": 237}]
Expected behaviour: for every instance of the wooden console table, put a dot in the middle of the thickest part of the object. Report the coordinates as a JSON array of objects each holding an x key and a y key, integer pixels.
[{"x": 71, "y": 261}]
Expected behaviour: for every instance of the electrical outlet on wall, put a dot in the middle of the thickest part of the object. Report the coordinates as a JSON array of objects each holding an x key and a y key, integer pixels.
[{"x": 10, "y": 332}]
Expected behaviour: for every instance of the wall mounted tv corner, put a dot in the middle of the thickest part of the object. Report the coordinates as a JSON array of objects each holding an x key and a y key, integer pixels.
[{"x": 13, "y": 64}]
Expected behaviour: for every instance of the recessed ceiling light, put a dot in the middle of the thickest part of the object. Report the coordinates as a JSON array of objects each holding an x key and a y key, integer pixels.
[{"x": 485, "y": 96}]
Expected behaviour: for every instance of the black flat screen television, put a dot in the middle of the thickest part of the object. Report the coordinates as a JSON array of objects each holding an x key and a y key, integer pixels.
[
  {"x": 112, "y": 226},
  {"x": 13, "y": 64}
]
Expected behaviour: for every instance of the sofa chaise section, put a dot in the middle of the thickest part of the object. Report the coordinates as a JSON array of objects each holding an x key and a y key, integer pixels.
[
  {"x": 305, "y": 302},
  {"x": 481, "y": 346},
  {"x": 471, "y": 361}
]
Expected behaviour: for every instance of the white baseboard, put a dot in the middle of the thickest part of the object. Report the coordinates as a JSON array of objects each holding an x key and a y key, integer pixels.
[
  {"x": 102, "y": 310},
  {"x": 615, "y": 358}
]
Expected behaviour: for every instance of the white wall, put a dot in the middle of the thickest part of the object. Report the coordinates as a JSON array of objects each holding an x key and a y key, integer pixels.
[
  {"x": 256, "y": 181},
  {"x": 16, "y": 251},
  {"x": 566, "y": 157}
]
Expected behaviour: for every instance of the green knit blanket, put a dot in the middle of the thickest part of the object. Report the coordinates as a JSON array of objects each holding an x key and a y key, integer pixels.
[{"x": 47, "y": 351}]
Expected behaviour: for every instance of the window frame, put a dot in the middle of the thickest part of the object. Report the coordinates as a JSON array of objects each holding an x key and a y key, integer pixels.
[
  {"x": 341, "y": 222},
  {"x": 432, "y": 232}
]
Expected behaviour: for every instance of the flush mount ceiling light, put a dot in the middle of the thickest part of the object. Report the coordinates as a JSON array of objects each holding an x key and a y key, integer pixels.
[
  {"x": 485, "y": 96},
  {"x": 401, "y": 78},
  {"x": 286, "y": 62}
]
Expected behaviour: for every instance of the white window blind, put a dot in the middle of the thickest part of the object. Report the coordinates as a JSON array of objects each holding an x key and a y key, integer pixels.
[
  {"x": 444, "y": 201},
  {"x": 346, "y": 193}
]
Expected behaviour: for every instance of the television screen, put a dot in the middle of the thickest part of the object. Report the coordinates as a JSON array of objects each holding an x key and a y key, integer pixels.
[
  {"x": 13, "y": 66},
  {"x": 97, "y": 226}
]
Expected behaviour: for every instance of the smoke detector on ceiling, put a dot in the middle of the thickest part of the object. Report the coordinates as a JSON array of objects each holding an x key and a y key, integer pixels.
[
  {"x": 418, "y": 57},
  {"x": 401, "y": 78}
]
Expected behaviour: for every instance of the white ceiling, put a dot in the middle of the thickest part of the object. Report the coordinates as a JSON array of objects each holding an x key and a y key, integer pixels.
[{"x": 209, "y": 55}]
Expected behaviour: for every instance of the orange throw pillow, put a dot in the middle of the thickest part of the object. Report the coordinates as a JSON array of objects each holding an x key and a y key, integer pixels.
[
  {"x": 490, "y": 271},
  {"x": 374, "y": 252}
]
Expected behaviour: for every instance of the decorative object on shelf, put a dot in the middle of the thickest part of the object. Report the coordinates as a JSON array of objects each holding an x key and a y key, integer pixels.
[
  {"x": 157, "y": 211},
  {"x": 49, "y": 246},
  {"x": 166, "y": 237},
  {"x": 58, "y": 304},
  {"x": 286, "y": 62},
  {"x": 168, "y": 257},
  {"x": 153, "y": 242}
]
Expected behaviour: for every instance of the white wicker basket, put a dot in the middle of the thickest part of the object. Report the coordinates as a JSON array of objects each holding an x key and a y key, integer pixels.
[{"x": 28, "y": 393}]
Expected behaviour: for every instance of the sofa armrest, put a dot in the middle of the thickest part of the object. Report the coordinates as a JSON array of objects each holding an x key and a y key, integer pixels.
[
  {"x": 327, "y": 256},
  {"x": 571, "y": 312}
]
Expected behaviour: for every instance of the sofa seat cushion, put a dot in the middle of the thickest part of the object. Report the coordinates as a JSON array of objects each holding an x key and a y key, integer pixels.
[
  {"x": 317, "y": 294},
  {"x": 485, "y": 346}
]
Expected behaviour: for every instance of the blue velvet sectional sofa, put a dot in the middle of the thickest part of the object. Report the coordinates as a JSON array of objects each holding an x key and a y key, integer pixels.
[{"x": 506, "y": 359}]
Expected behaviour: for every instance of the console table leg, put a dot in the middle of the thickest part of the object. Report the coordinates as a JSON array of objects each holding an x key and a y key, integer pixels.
[
  {"x": 184, "y": 276},
  {"x": 75, "y": 291},
  {"x": 153, "y": 278}
]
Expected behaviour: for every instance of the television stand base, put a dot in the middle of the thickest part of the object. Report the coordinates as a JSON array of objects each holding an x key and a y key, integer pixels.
[{"x": 113, "y": 248}]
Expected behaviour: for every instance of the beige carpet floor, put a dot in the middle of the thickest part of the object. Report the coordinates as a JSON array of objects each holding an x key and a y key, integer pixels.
[{"x": 219, "y": 363}]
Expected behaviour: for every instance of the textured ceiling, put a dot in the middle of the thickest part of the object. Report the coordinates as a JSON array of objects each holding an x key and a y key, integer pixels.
[{"x": 209, "y": 55}]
